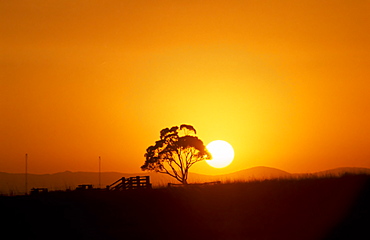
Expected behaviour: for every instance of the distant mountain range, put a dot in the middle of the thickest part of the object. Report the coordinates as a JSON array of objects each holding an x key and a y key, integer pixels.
[{"x": 14, "y": 183}]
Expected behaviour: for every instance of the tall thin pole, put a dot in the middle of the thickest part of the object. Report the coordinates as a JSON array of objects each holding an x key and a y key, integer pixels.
[
  {"x": 99, "y": 172},
  {"x": 26, "y": 175}
]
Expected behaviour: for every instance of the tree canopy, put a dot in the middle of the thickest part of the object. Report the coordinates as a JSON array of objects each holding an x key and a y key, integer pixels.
[{"x": 177, "y": 150}]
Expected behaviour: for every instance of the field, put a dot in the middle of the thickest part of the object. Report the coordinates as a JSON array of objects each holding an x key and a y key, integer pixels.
[{"x": 310, "y": 208}]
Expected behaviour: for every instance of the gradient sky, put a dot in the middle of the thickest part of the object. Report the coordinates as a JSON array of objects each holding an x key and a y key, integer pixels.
[{"x": 285, "y": 82}]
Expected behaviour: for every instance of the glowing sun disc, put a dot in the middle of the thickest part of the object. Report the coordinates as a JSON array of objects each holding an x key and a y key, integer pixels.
[{"x": 222, "y": 154}]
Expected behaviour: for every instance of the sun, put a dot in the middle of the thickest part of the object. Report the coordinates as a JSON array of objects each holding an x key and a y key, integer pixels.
[{"x": 222, "y": 154}]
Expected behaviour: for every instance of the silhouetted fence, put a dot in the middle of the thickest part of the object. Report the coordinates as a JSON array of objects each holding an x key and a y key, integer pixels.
[
  {"x": 138, "y": 182},
  {"x": 85, "y": 187},
  {"x": 192, "y": 184},
  {"x": 35, "y": 191}
]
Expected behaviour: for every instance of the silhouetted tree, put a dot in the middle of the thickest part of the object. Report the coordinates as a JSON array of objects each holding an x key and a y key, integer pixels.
[{"x": 177, "y": 150}]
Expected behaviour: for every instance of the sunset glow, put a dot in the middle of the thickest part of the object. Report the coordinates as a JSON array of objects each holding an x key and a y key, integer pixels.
[
  {"x": 286, "y": 82},
  {"x": 222, "y": 154}
]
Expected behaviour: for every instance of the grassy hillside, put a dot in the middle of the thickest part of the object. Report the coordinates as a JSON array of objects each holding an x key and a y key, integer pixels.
[{"x": 317, "y": 208}]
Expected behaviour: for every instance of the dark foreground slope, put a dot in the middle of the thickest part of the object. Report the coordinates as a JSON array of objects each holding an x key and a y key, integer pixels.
[{"x": 321, "y": 208}]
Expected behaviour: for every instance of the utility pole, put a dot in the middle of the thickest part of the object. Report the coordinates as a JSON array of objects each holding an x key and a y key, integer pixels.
[
  {"x": 99, "y": 172},
  {"x": 26, "y": 175}
]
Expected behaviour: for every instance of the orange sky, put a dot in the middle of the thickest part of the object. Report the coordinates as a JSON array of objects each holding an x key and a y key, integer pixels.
[{"x": 285, "y": 82}]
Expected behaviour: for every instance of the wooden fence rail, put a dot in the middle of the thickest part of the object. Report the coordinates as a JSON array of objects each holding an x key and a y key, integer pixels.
[{"x": 138, "y": 182}]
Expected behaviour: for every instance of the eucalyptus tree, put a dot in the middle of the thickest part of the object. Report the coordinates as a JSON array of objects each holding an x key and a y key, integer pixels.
[{"x": 177, "y": 150}]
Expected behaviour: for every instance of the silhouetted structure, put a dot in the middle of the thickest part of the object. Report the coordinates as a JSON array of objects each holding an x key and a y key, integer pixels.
[
  {"x": 138, "y": 182},
  {"x": 193, "y": 184},
  {"x": 84, "y": 187},
  {"x": 35, "y": 191}
]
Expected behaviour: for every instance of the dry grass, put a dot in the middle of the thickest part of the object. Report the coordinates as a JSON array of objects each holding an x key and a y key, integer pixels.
[{"x": 308, "y": 208}]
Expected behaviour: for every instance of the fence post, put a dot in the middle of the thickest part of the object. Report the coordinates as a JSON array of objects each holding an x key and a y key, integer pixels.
[
  {"x": 147, "y": 182},
  {"x": 129, "y": 183},
  {"x": 123, "y": 183},
  {"x": 138, "y": 183}
]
